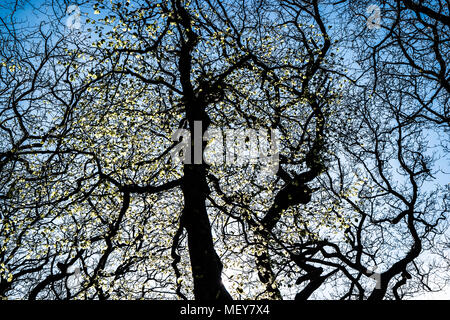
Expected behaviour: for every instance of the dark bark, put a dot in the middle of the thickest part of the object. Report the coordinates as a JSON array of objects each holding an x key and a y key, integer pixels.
[{"x": 205, "y": 263}]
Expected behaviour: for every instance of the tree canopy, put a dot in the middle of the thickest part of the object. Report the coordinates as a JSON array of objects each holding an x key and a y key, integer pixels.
[{"x": 219, "y": 150}]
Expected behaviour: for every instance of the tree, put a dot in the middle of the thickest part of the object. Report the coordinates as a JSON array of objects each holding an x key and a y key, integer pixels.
[{"x": 298, "y": 176}]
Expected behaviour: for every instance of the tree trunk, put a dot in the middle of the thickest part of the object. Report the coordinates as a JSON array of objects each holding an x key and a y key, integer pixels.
[{"x": 205, "y": 263}]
